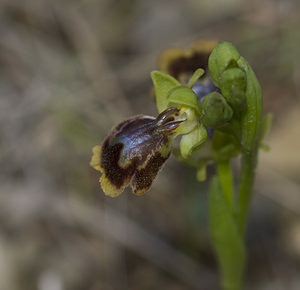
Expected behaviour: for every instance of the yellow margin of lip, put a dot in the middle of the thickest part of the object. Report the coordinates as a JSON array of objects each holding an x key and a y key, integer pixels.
[
  {"x": 107, "y": 186},
  {"x": 95, "y": 161}
]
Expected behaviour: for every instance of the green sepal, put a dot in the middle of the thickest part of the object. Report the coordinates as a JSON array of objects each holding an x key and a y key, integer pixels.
[
  {"x": 226, "y": 239},
  {"x": 184, "y": 96},
  {"x": 215, "y": 110},
  {"x": 223, "y": 56},
  {"x": 196, "y": 75},
  {"x": 233, "y": 88},
  {"x": 162, "y": 83},
  {"x": 191, "y": 141}
]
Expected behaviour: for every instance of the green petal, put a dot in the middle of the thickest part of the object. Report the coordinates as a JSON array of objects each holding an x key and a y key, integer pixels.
[{"x": 196, "y": 75}]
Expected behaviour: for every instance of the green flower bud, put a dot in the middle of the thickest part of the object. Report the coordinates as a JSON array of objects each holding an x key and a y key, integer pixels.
[
  {"x": 233, "y": 87},
  {"x": 223, "y": 56},
  {"x": 215, "y": 110}
]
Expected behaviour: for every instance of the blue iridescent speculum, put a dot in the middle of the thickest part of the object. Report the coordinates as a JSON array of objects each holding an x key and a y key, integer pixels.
[{"x": 203, "y": 87}]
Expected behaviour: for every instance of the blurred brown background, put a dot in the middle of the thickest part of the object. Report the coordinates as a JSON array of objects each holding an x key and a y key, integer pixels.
[{"x": 69, "y": 71}]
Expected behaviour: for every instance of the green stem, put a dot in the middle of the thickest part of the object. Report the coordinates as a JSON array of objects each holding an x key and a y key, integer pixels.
[
  {"x": 226, "y": 179},
  {"x": 226, "y": 239},
  {"x": 246, "y": 188}
]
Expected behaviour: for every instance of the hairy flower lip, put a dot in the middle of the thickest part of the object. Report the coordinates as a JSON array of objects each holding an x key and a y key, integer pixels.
[{"x": 134, "y": 151}]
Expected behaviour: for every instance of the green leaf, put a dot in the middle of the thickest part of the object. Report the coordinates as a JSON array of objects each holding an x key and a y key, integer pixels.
[
  {"x": 184, "y": 96},
  {"x": 191, "y": 141},
  {"x": 223, "y": 56},
  {"x": 226, "y": 239},
  {"x": 163, "y": 84}
]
